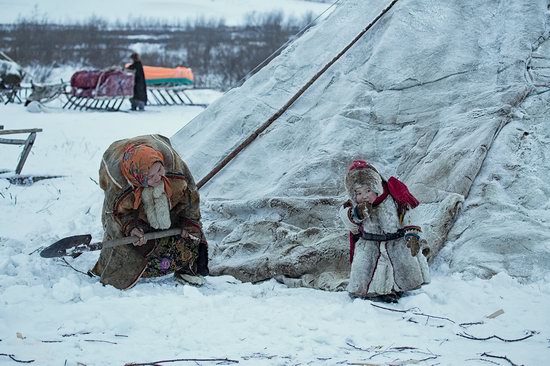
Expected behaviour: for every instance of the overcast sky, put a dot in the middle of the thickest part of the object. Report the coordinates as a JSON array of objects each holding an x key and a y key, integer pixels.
[{"x": 69, "y": 10}]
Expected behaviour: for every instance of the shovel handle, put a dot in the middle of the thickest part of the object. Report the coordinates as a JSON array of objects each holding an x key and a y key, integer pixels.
[{"x": 148, "y": 236}]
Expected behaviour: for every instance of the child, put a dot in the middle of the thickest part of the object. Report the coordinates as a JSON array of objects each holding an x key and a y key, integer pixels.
[{"x": 384, "y": 254}]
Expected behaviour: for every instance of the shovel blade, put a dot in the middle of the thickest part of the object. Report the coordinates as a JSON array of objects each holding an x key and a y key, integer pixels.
[{"x": 61, "y": 247}]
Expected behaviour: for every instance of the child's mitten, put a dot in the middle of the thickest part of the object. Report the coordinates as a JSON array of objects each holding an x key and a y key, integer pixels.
[{"x": 412, "y": 238}]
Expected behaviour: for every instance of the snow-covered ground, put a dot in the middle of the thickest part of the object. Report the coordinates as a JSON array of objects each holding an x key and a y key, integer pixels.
[
  {"x": 54, "y": 315},
  {"x": 233, "y": 11}
]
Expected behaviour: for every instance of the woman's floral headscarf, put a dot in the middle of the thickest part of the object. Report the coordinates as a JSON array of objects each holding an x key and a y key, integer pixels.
[{"x": 135, "y": 165}]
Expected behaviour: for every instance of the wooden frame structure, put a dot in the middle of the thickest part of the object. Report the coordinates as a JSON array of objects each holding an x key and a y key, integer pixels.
[
  {"x": 170, "y": 95},
  {"x": 17, "y": 95},
  {"x": 28, "y": 143}
]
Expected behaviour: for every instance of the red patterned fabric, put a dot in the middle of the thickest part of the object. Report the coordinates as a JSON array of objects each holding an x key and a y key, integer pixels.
[
  {"x": 135, "y": 165},
  {"x": 400, "y": 193},
  {"x": 360, "y": 164},
  {"x": 85, "y": 79},
  {"x": 96, "y": 83}
]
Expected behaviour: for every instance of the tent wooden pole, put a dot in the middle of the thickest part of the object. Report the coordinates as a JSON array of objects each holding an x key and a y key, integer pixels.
[{"x": 284, "y": 108}]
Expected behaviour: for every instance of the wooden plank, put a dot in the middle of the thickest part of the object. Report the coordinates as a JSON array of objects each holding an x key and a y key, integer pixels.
[
  {"x": 27, "y": 180},
  {"x": 26, "y": 152},
  {"x": 13, "y": 141},
  {"x": 12, "y": 132}
]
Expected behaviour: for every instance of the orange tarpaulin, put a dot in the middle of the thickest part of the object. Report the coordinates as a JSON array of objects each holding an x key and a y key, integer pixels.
[{"x": 165, "y": 75}]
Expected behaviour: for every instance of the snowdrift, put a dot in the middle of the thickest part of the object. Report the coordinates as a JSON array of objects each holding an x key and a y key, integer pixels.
[{"x": 444, "y": 95}]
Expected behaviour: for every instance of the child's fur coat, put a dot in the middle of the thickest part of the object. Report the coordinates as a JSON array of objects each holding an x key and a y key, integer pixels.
[{"x": 380, "y": 268}]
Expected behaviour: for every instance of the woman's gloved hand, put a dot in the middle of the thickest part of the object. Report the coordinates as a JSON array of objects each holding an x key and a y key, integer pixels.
[{"x": 137, "y": 232}]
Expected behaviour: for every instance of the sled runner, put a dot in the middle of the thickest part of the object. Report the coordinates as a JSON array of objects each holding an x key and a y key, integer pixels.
[{"x": 169, "y": 86}]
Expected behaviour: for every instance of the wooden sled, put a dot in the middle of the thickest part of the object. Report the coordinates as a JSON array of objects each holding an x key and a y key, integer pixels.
[{"x": 170, "y": 95}]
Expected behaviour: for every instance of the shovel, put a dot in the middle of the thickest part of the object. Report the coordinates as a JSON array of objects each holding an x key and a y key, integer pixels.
[{"x": 75, "y": 245}]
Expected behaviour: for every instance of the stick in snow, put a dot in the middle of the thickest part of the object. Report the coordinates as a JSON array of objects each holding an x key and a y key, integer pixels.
[
  {"x": 154, "y": 363},
  {"x": 415, "y": 313},
  {"x": 484, "y": 354},
  {"x": 15, "y": 359},
  {"x": 469, "y": 336}
]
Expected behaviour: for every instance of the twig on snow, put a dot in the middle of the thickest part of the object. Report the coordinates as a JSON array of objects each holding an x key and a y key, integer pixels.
[
  {"x": 12, "y": 357},
  {"x": 484, "y": 354},
  {"x": 400, "y": 362},
  {"x": 390, "y": 309},
  {"x": 67, "y": 264},
  {"x": 259, "y": 355},
  {"x": 357, "y": 348},
  {"x": 414, "y": 313},
  {"x": 154, "y": 363},
  {"x": 464, "y": 325},
  {"x": 426, "y": 359},
  {"x": 75, "y": 334},
  {"x": 392, "y": 349},
  {"x": 469, "y": 336},
  {"x": 481, "y": 359},
  {"x": 85, "y": 340},
  {"x": 99, "y": 341}
]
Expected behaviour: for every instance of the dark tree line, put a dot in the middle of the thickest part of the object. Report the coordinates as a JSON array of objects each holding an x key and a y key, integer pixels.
[{"x": 219, "y": 55}]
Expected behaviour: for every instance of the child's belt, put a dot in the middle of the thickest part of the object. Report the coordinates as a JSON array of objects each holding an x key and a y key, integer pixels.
[{"x": 383, "y": 237}]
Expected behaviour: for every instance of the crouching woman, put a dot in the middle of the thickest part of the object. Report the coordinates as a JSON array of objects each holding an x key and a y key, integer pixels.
[
  {"x": 387, "y": 258},
  {"x": 149, "y": 188}
]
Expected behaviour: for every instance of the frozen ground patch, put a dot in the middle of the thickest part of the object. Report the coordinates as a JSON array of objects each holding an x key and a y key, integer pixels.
[{"x": 53, "y": 315}]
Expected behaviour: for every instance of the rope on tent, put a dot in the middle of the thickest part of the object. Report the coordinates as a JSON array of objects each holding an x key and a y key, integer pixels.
[{"x": 295, "y": 97}]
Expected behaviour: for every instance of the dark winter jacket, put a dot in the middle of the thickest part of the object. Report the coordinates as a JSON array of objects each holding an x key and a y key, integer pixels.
[{"x": 140, "y": 90}]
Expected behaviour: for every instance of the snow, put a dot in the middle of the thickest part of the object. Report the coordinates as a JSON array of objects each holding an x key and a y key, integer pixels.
[
  {"x": 233, "y": 11},
  {"x": 284, "y": 191},
  {"x": 64, "y": 317}
]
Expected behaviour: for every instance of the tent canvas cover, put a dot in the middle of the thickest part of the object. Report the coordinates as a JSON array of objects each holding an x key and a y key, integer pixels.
[{"x": 430, "y": 94}]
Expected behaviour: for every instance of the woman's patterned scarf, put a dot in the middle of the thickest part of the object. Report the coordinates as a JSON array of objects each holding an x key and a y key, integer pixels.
[{"x": 135, "y": 165}]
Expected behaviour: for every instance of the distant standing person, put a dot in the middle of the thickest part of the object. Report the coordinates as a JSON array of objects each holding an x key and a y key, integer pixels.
[{"x": 140, "y": 89}]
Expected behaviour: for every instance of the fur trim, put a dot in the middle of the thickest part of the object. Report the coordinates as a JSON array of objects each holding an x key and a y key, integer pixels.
[
  {"x": 363, "y": 177},
  {"x": 157, "y": 207}
]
